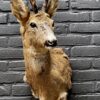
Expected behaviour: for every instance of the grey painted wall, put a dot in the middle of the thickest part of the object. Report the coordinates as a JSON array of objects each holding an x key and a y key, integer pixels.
[{"x": 78, "y": 30}]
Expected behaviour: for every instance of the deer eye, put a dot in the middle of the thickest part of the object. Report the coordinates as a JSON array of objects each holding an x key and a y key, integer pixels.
[{"x": 33, "y": 25}]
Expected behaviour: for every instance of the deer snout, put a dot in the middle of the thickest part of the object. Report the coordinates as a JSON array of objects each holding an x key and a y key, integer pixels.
[{"x": 51, "y": 43}]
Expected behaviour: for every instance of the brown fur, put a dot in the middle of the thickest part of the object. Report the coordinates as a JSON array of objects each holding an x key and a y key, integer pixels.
[{"x": 47, "y": 70}]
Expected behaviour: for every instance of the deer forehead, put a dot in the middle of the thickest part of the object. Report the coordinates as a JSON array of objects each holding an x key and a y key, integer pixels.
[{"x": 40, "y": 18}]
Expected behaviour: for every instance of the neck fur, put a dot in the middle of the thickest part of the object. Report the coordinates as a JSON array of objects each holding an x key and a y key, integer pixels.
[{"x": 41, "y": 60}]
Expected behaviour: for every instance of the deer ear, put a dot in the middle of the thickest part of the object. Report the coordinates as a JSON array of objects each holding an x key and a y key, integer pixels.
[
  {"x": 51, "y": 6},
  {"x": 20, "y": 10}
]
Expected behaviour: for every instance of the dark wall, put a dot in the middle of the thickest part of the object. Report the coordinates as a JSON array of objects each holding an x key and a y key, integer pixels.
[{"x": 78, "y": 30}]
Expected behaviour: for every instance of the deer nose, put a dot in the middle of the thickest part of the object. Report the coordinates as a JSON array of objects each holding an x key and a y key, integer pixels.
[{"x": 51, "y": 43}]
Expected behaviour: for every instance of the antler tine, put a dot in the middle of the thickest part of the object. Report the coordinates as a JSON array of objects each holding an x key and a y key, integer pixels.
[
  {"x": 46, "y": 1},
  {"x": 34, "y": 6},
  {"x": 46, "y": 4}
]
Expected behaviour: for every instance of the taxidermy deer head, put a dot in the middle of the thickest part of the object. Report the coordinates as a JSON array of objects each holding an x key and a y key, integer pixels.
[{"x": 36, "y": 25}]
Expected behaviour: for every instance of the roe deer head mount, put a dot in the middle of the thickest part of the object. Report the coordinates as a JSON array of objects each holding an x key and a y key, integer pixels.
[{"x": 37, "y": 26}]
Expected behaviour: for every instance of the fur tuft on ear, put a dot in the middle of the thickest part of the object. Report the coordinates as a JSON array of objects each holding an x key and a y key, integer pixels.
[
  {"x": 20, "y": 11},
  {"x": 51, "y": 6}
]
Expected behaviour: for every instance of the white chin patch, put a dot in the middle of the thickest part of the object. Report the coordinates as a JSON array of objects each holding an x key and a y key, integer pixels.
[{"x": 48, "y": 47}]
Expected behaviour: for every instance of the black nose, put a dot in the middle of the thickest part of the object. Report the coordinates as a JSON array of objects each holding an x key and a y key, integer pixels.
[{"x": 51, "y": 43}]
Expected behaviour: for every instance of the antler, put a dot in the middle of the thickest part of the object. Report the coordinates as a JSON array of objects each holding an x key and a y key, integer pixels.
[
  {"x": 34, "y": 6},
  {"x": 51, "y": 6}
]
